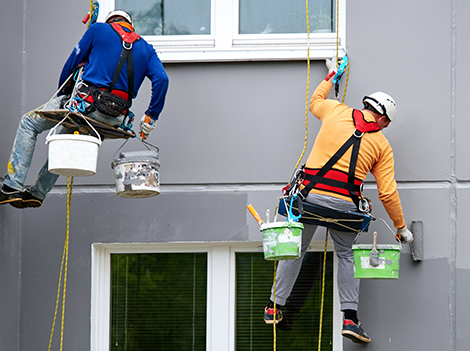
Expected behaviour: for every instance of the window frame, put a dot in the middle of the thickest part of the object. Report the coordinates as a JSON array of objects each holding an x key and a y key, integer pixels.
[
  {"x": 221, "y": 260},
  {"x": 225, "y": 44}
]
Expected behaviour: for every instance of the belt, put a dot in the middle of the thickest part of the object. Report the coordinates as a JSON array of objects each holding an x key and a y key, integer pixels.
[{"x": 120, "y": 93}]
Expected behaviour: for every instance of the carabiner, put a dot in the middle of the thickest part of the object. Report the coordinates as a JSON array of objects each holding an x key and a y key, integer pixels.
[{"x": 290, "y": 215}]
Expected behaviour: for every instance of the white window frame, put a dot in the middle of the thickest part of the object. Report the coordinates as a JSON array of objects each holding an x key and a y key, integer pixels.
[
  {"x": 220, "y": 288},
  {"x": 225, "y": 44}
]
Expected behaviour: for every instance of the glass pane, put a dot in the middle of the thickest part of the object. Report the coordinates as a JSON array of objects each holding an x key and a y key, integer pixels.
[
  {"x": 254, "y": 280},
  {"x": 282, "y": 16},
  {"x": 158, "y": 301},
  {"x": 172, "y": 17}
]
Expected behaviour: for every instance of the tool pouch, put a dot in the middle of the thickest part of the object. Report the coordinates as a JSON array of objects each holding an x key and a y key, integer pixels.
[{"x": 108, "y": 103}]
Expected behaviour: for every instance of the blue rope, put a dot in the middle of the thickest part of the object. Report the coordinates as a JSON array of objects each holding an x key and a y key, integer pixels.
[{"x": 96, "y": 9}]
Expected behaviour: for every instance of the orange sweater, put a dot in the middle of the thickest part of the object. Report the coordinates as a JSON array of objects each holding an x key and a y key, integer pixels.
[{"x": 375, "y": 153}]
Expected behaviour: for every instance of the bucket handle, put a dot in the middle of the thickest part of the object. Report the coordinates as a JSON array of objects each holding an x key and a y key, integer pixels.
[
  {"x": 66, "y": 116},
  {"x": 142, "y": 141},
  {"x": 393, "y": 233}
]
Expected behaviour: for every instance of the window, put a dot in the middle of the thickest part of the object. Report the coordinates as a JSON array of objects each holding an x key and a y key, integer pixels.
[
  {"x": 228, "y": 30},
  {"x": 254, "y": 278},
  {"x": 200, "y": 296},
  {"x": 174, "y": 18},
  {"x": 158, "y": 301}
]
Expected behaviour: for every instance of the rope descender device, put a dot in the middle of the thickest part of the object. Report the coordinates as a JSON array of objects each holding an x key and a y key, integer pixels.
[{"x": 339, "y": 75}]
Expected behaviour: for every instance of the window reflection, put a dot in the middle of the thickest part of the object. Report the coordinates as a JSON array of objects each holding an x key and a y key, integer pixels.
[
  {"x": 282, "y": 16},
  {"x": 170, "y": 17}
]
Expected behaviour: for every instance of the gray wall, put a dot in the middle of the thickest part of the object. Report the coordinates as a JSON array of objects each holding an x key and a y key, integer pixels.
[{"x": 230, "y": 135}]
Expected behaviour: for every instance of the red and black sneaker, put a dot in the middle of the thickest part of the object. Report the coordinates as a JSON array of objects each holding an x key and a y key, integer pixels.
[
  {"x": 269, "y": 317},
  {"x": 354, "y": 332}
]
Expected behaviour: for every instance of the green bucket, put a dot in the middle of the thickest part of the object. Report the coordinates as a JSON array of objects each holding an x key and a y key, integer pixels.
[
  {"x": 282, "y": 240},
  {"x": 389, "y": 262}
]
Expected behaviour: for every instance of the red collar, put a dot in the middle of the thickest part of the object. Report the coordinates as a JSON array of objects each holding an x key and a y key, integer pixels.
[
  {"x": 362, "y": 125},
  {"x": 127, "y": 37}
]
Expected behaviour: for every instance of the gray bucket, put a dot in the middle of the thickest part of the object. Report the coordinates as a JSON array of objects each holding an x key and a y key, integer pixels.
[{"x": 136, "y": 174}]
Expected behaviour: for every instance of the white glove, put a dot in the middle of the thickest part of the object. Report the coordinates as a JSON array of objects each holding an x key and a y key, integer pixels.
[
  {"x": 331, "y": 64},
  {"x": 147, "y": 124},
  {"x": 404, "y": 235}
]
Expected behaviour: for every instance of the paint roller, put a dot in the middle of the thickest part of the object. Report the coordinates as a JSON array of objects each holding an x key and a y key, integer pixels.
[
  {"x": 416, "y": 245},
  {"x": 255, "y": 214}
]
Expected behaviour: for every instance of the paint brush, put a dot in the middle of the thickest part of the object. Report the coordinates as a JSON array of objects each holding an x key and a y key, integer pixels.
[
  {"x": 255, "y": 214},
  {"x": 374, "y": 255}
]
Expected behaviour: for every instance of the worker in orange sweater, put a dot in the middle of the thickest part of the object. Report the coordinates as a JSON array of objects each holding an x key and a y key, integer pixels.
[{"x": 375, "y": 155}]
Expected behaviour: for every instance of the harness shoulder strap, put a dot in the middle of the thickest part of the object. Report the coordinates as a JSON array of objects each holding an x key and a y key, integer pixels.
[
  {"x": 342, "y": 150},
  {"x": 362, "y": 126},
  {"x": 319, "y": 177},
  {"x": 127, "y": 39}
]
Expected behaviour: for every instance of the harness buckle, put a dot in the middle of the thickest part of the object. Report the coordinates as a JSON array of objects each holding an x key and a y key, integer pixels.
[
  {"x": 358, "y": 134},
  {"x": 126, "y": 47}
]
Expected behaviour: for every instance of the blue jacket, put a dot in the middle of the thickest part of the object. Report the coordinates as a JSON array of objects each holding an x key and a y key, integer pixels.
[{"x": 100, "y": 49}]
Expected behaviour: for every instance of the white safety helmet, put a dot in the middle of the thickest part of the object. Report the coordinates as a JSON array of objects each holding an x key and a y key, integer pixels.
[
  {"x": 383, "y": 103},
  {"x": 119, "y": 13}
]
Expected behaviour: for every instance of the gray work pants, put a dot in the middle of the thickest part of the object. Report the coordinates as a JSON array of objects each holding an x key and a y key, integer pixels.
[{"x": 348, "y": 286}]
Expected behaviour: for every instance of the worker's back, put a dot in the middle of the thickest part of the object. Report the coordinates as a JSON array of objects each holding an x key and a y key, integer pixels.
[{"x": 375, "y": 153}]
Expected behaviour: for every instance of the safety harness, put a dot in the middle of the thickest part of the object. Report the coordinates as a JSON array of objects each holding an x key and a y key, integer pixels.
[
  {"x": 127, "y": 39},
  {"x": 336, "y": 181},
  {"x": 101, "y": 96},
  {"x": 332, "y": 180}
]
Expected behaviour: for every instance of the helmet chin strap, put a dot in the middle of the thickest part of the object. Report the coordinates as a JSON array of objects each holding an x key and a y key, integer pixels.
[{"x": 377, "y": 105}]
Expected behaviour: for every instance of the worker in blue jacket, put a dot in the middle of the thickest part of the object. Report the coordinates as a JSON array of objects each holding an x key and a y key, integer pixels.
[{"x": 98, "y": 52}]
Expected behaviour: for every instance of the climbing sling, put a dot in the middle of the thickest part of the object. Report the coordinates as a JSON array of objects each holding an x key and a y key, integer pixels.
[
  {"x": 108, "y": 100},
  {"x": 334, "y": 181}
]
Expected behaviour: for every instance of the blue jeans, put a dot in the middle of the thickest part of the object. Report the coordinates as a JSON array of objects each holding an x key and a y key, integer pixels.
[{"x": 31, "y": 125}]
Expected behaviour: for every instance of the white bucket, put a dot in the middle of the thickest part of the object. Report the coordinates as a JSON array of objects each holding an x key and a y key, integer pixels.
[
  {"x": 73, "y": 155},
  {"x": 136, "y": 174}
]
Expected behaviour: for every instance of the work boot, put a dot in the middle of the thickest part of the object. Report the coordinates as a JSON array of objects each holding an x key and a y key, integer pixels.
[
  {"x": 27, "y": 200},
  {"x": 9, "y": 195},
  {"x": 354, "y": 332},
  {"x": 269, "y": 317}
]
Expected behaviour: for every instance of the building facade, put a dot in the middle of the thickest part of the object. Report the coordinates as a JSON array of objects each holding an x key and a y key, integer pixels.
[{"x": 230, "y": 135}]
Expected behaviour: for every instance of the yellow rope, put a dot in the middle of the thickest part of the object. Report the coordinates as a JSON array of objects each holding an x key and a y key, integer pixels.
[
  {"x": 337, "y": 33},
  {"x": 346, "y": 83},
  {"x": 63, "y": 269},
  {"x": 337, "y": 51},
  {"x": 91, "y": 13},
  {"x": 307, "y": 92},
  {"x": 328, "y": 219},
  {"x": 322, "y": 291},
  {"x": 274, "y": 324},
  {"x": 299, "y": 160}
]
